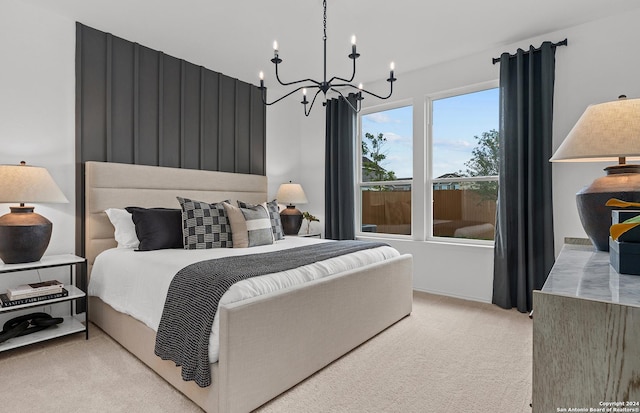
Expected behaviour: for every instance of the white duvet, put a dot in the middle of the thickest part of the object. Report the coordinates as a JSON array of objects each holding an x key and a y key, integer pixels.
[{"x": 136, "y": 283}]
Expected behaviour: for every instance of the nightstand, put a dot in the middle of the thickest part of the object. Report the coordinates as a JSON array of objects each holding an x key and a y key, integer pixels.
[{"x": 72, "y": 323}]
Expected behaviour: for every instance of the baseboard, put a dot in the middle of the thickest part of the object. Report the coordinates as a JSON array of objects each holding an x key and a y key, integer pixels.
[{"x": 460, "y": 296}]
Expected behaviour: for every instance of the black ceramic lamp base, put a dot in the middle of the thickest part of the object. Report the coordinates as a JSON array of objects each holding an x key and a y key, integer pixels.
[
  {"x": 24, "y": 235},
  {"x": 622, "y": 182},
  {"x": 291, "y": 218}
]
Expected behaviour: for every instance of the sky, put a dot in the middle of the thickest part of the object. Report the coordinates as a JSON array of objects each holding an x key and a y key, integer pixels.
[
  {"x": 397, "y": 127},
  {"x": 456, "y": 122}
]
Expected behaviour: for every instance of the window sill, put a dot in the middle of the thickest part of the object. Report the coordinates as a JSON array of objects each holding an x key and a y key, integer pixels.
[{"x": 432, "y": 241}]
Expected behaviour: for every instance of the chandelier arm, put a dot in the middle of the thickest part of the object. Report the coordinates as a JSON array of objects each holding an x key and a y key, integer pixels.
[
  {"x": 306, "y": 113},
  {"x": 353, "y": 75},
  {"x": 294, "y": 82},
  {"x": 287, "y": 95},
  {"x": 373, "y": 94}
]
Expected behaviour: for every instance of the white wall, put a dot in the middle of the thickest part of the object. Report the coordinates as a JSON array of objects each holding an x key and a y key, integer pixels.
[
  {"x": 37, "y": 91},
  {"x": 596, "y": 66},
  {"x": 37, "y": 105}
]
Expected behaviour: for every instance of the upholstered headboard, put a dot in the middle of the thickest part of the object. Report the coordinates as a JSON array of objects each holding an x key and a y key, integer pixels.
[{"x": 116, "y": 185}]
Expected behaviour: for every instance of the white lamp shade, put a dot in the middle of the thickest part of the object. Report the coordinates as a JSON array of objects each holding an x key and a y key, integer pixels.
[
  {"x": 24, "y": 183},
  {"x": 291, "y": 194},
  {"x": 604, "y": 132}
]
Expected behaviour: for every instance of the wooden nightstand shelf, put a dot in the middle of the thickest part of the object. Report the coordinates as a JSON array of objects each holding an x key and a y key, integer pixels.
[{"x": 72, "y": 323}]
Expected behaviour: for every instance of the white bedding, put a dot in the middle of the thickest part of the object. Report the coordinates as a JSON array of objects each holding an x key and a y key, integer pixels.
[{"x": 136, "y": 283}]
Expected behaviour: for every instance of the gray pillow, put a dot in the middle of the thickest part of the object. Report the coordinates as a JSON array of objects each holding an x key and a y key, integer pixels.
[
  {"x": 204, "y": 225},
  {"x": 274, "y": 215},
  {"x": 250, "y": 226}
]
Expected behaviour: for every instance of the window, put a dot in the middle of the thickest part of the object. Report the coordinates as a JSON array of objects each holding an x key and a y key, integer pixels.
[
  {"x": 464, "y": 164},
  {"x": 386, "y": 171}
]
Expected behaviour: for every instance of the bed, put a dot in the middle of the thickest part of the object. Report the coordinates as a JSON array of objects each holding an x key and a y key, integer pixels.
[{"x": 268, "y": 343}]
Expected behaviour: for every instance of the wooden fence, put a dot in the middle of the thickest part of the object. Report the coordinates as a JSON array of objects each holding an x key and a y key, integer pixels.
[{"x": 390, "y": 211}]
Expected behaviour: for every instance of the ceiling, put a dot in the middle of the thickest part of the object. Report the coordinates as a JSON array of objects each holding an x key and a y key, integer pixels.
[{"x": 235, "y": 37}]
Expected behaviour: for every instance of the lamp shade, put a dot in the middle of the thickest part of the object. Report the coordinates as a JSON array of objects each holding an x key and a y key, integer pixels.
[
  {"x": 291, "y": 194},
  {"x": 604, "y": 132},
  {"x": 23, "y": 183}
]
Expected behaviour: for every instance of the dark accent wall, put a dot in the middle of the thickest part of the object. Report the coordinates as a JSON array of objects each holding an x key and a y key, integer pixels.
[
  {"x": 140, "y": 106},
  {"x": 137, "y": 105}
]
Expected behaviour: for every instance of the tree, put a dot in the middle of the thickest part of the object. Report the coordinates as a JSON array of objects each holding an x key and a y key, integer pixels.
[
  {"x": 373, "y": 157},
  {"x": 485, "y": 161}
]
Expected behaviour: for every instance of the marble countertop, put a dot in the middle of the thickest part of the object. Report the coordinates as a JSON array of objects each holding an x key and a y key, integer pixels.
[{"x": 581, "y": 271}]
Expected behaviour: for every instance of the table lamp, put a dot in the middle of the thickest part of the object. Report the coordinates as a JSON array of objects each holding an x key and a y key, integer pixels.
[
  {"x": 291, "y": 216},
  {"x": 25, "y": 235},
  {"x": 605, "y": 132}
]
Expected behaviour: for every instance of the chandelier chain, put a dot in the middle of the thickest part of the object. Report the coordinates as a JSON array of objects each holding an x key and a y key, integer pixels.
[{"x": 324, "y": 21}]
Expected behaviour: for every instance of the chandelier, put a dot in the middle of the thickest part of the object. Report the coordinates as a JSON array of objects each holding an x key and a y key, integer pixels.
[{"x": 334, "y": 84}]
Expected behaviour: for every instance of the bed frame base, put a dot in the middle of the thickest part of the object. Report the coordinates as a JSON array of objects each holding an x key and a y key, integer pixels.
[{"x": 272, "y": 342}]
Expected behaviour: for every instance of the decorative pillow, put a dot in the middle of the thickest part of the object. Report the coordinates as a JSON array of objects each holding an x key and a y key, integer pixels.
[
  {"x": 274, "y": 215},
  {"x": 250, "y": 226},
  {"x": 125, "y": 229},
  {"x": 204, "y": 225},
  {"x": 157, "y": 228}
]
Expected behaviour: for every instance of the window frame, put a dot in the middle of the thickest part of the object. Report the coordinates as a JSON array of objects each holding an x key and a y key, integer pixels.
[
  {"x": 358, "y": 183},
  {"x": 477, "y": 87}
]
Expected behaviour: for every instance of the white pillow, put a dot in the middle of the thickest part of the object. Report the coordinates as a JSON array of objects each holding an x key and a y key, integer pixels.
[{"x": 125, "y": 233}]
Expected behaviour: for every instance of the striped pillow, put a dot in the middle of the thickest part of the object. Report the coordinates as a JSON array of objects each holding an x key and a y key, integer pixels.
[
  {"x": 274, "y": 215},
  {"x": 250, "y": 227},
  {"x": 204, "y": 225}
]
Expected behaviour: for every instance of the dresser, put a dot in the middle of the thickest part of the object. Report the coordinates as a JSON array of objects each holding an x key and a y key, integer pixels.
[{"x": 586, "y": 336}]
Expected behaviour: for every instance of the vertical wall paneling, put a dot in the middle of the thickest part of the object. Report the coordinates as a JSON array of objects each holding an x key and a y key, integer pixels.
[
  {"x": 108, "y": 91},
  {"x": 210, "y": 121},
  {"x": 258, "y": 133},
  {"x": 250, "y": 126},
  {"x": 191, "y": 119},
  {"x": 242, "y": 129},
  {"x": 172, "y": 84},
  {"x": 92, "y": 91},
  {"x": 138, "y": 105},
  {"x": 81, "y": 270},
  {"x": 160, "y": 108},
  {"x": 201, "y": 137},
  {"x": 183, "y": 81},
  {"x": 122, "y": 107},
  {"x": 228, "y": 121}
]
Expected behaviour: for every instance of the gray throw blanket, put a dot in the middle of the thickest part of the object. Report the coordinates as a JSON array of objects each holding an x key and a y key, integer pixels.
[{"x": 195, "y": 291}]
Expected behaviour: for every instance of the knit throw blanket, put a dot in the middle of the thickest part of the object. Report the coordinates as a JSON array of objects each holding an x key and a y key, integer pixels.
[{"x": 195, "y": 291}]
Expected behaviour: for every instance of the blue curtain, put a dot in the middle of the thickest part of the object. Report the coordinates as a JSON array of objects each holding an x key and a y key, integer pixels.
[
  {"x": 339, "y": 168},
  {"x": 524, "y": 251}
]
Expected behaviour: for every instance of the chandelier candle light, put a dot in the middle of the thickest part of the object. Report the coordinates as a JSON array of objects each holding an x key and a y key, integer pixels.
[{"x": 334, "y": 84}]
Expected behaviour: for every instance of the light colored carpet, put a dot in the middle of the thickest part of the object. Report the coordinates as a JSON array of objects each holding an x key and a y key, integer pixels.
[{"x": 450, "y": 355}]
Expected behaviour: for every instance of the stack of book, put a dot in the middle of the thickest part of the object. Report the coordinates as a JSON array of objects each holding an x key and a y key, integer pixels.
[{"x": 31, "y": 293}]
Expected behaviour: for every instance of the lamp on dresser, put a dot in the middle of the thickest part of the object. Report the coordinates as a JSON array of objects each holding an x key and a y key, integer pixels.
[
  {"x": 291, "y": 194},
  {"x": 605, "y": 132},
  {"x": 24, "y": 234}
]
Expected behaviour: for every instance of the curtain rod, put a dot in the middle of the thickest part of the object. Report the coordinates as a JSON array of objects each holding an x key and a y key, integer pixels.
[{"x": 560, "y": 43}]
